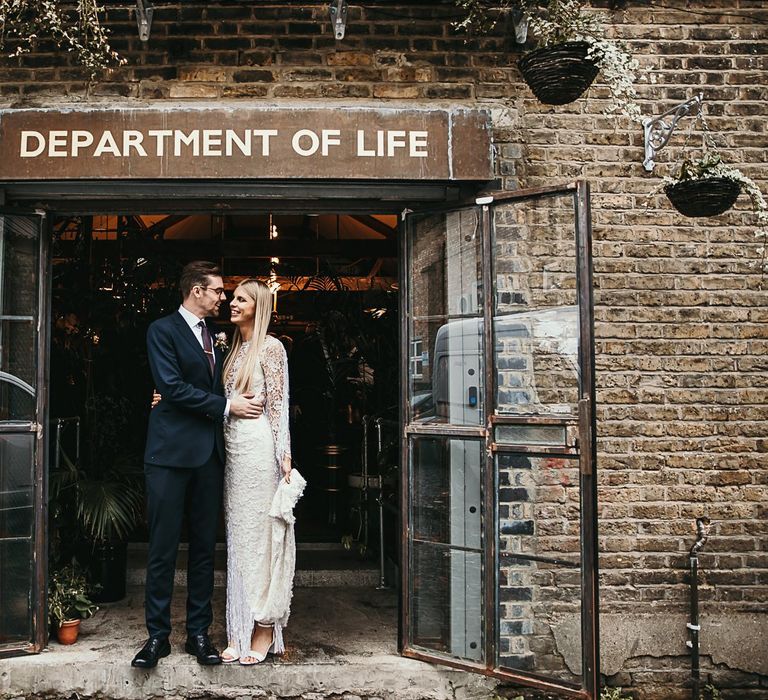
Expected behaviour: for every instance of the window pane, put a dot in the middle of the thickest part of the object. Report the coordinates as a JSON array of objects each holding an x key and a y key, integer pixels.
[
  {"x": 445, "y": 332},
  {"x": 446, "y": 546},
  {"x": 539, "y": 575},
  {"x": 18, "y": 307},
  {"x": 19, "y": 248},
  {"x": 446, "y": 380},
  {"x": 531, "y": 434},
  {"x": 16, "y": 529},
  {"x": 447, "y": 601},
  {"x": 446, "y": 491},
  {"x": 15, "y": 581},
  {"x": 536, "y": 320},
  {"x": 445, "y": 264}
]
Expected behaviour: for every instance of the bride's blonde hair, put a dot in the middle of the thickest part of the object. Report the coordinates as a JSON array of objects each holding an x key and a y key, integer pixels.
[{"x": 259, "y": 292}]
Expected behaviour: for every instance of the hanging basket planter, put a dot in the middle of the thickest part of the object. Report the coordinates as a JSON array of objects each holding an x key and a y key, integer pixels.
[
  {"x": 559, "y": 74},
  {"x": 703, "y": 197}
]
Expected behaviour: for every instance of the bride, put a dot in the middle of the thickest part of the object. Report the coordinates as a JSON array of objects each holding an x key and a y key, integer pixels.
[{"x": 259, "y": 578}]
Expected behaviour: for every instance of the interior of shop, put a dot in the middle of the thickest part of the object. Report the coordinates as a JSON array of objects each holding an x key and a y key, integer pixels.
[{"x": 335, "y": 284}]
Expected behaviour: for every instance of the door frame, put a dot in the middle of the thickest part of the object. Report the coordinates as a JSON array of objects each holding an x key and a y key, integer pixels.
[
  {"x": 72, "y": 197},
  {"x": 590, "y": 651},
  {"x": 39, "y": 592},
  {"x": 51, "y": 198}
]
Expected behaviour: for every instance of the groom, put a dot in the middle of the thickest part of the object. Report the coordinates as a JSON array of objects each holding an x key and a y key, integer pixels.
[{"x": 183, "y": 461}]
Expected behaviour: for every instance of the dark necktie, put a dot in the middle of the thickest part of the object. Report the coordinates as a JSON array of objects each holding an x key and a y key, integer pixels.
[{"x": 207, "y": 345}]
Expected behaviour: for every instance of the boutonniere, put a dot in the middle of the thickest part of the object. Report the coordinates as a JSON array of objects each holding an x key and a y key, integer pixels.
[{"x": 221, "y": 341}]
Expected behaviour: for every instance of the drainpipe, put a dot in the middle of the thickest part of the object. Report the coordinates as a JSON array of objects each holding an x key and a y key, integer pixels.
[{"x": 702, "y": 532}]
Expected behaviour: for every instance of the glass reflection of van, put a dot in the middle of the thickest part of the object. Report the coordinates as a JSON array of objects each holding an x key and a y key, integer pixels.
[{"x": 456, "y": 395}]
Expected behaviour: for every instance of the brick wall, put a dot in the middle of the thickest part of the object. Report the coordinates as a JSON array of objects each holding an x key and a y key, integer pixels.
[{"x": 682, "y": 328}]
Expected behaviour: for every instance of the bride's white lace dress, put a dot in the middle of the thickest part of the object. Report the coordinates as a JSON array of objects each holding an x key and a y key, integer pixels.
[{"x": 255, "y": 451}]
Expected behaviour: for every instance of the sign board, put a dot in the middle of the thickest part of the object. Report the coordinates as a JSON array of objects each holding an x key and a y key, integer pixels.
[{"x": 231, "y": 141}]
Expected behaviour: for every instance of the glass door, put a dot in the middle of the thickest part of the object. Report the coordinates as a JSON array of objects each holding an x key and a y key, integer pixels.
[
  {"x": 499, "y": 567},
  {"x": 23, "y": 335}
]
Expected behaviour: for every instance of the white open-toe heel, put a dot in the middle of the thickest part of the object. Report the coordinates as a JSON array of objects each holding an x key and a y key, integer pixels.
[
  {"x": 232, "y": 653},
  {"x": 259, "y": 656}
]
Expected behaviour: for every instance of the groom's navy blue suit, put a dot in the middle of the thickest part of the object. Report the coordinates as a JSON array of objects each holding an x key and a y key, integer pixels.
[{"x": 183, "y": 465}]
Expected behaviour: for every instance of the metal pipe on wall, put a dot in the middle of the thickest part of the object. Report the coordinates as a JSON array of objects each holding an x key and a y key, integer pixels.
[{"x": 702, "y": 533}]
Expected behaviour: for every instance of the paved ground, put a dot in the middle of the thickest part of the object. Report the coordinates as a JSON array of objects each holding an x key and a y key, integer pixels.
[{"x": 341, "y": 643}]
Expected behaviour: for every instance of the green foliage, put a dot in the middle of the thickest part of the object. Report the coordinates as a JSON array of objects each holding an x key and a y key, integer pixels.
[
  {"x": 74, "y": 27},
  {"x": 105, "y": 491},
  {"x": 68, "y": 595},
  {"x": 712, "y": 693},
  {"x": 482, "y": 15},
  {"x": 614, "y": 694},
  {"x": 559, "y": 21},
  {"x": 710, "y": 165}
]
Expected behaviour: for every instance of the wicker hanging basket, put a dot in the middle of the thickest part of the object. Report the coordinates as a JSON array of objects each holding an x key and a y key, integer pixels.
[
  {"x": 705, "y": 197},
  {"x": 559, "y": 74}
]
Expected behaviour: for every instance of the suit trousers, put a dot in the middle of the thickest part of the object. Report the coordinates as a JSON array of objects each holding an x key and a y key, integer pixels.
[{"x": 172, "y": 494}]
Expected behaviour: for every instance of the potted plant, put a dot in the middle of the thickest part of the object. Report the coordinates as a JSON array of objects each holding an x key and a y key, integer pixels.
[
  {"x": 573, "y": 49},
  {"x": 69, "y": 602},
  {"x": 705, "y": 186}
]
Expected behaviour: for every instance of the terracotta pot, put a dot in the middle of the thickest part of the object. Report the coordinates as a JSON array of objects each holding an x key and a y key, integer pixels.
[{"x": 68, "y": 631}]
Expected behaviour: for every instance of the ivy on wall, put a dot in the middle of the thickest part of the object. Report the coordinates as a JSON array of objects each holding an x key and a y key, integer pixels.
[{"x": 73, "y": 26}]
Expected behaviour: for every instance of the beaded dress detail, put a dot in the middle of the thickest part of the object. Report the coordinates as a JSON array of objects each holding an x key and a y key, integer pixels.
[{"x": 255, "y": 450}]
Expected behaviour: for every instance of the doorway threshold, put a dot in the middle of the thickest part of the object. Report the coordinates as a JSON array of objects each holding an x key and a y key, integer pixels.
[
  {"x": 317, "y": 565},
  {"x": 340, "y": 643}
]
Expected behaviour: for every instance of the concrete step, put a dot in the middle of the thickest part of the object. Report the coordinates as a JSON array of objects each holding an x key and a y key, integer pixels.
[
  {"x": 340, "y": 643},
  {"x": 317, "y": 565}
]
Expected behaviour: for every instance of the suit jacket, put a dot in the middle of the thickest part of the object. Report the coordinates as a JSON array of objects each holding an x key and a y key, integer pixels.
[{"x": 186, "y": 426}]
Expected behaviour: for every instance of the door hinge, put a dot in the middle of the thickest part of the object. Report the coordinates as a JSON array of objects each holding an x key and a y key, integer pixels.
[{"x": 520, "y": 25}]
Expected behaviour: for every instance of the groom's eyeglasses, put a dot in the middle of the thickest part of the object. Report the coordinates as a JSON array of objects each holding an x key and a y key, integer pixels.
[{"x": 218, "y": 291}]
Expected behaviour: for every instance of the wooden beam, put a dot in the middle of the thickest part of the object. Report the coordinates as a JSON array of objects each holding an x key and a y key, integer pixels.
[
  {"x": 297, "y": 284},
  {"x": 249, "y": 248},
  {"x": 158, "y": 229},
  {"x": 374, "y": 224},
  {"x": 375, "y": 269}
]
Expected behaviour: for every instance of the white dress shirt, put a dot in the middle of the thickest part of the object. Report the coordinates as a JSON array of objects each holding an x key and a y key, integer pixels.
[{"x": 194, "y": 324}]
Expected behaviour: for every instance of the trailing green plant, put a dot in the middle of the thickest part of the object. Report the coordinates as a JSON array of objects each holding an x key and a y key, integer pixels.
[
  {"x": 710, "y": 165},
  {"x": 69, "y": 595},
  {"x": 75, "y": 27},
  {"x": 560, "y": 21}
]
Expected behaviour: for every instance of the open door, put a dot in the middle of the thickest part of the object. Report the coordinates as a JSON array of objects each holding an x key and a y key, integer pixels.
[
  {"x": 23, "y": 372},
  {"x": 499, "y": 519}
]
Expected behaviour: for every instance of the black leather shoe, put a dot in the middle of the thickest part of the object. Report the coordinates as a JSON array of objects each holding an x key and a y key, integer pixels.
[
  {"x": 154, "y": 649},
  {"x": 200, "y": 646}
]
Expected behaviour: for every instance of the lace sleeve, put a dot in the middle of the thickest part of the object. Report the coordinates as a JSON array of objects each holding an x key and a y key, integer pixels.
[{"x": 274, "y": 363}]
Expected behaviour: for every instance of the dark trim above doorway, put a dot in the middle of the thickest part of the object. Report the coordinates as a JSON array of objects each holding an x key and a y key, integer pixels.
[{"x": 160, "y": 196}]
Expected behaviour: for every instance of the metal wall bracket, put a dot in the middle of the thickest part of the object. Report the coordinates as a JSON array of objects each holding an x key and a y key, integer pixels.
[
  {"x": 338, "y": 11},
  {"x": 144, "y": 12},
  {"x": 520, "y": 25},
  {"x": 657, "y": 131}
]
